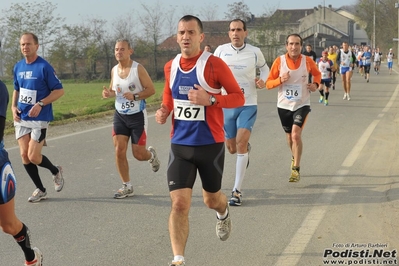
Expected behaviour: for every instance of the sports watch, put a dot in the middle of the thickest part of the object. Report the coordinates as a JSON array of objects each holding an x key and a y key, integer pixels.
[{"x": 212, "y": 100}]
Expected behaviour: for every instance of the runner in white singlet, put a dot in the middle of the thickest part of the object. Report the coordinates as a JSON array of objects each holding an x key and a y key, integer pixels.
[{"x": 130, "y": 85}]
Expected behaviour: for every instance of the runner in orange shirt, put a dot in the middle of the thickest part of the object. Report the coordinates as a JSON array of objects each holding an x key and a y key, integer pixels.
[{"x": 289, "y": 73}]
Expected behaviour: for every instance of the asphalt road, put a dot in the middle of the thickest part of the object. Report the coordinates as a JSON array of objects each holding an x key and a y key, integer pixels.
[{"x": 346, "y": 205}]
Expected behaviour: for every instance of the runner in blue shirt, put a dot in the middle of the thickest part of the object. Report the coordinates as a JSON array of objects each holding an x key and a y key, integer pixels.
[
  {"x": 366, "y": 58},
  {"x": 35, "y": 88}
]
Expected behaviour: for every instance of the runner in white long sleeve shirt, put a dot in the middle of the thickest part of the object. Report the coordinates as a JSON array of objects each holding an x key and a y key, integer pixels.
[{"x": 243, "y": 60}]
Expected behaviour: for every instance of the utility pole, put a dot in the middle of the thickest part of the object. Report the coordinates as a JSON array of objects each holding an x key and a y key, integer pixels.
[
  {"x": 397, "y": 38},
  {"x": 375, "y": 4},
  {"x": 1, "y": 59}
]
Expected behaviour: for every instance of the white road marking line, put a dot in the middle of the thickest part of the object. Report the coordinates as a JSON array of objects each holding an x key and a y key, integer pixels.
[{"x": 293, "y": 252}]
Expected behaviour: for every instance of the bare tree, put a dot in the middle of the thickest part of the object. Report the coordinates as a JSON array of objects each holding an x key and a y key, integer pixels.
[
  {"x": 152, "y": 21},
  {"x": 386, "y": 29},
  {"x": 238, "y": 10},
  {"x": 272, "y": 25},
  {"x": 14, "y": 24},
  {"x": 100, "y": 46},
  {"x": 189, "y": 10},
  {"x": 209, "y": 12},
  {"x": 45, "y": 23},
  {"x": 123, "y": 27},
  {"x": 170, "y": 21}
]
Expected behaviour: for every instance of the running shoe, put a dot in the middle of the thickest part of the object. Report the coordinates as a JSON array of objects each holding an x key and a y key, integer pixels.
[
  {"x": 177, "y": 263},
  {"x": 236, "y": 198},
  {"x": 58, "y": 180},
  {"x": 249, "y": 150},
  {"x": 344, "y": 96},
  {"x": 38, "y": 260},
  {"x": 223, "y": 227},
  {"x": 333, "y": 86},
  {"x": 124, "y": 192},
  {"x": 348, "y": 98},
  {"x": 155, "y": 163},
  {"x": 367, "y": 81},
  {"x": 295, "y": 176},
  {"x": 325, "y": 102},
  {"x": 37, "y": 195},
  {"x": 321, "y": 99}
]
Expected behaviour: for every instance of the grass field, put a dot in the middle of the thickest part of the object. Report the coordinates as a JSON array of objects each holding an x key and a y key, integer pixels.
[{"x": 81, "y": 100}]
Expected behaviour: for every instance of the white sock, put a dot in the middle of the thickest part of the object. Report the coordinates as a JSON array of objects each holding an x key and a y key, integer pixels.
[
  {"x": 241, "y": 168},
  {"x": 178, "y": 258},
  {"x": 128, "y": 184},
  {"x": 152, "y": 156},
  {"x": 222, "y": 216}
]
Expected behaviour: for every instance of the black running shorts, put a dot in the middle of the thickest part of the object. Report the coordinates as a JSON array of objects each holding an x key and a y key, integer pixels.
[
  {"x": 132, "y": 126},
  {"x": 289, "y": 118},
  {"x": 185, "y": 161}
]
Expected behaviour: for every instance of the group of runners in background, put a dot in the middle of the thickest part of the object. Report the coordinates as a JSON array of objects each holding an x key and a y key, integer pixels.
[{"x": 343, "y": 61}]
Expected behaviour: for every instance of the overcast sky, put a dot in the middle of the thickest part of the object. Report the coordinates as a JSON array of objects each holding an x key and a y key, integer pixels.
[{"x": 76, "y": 10}]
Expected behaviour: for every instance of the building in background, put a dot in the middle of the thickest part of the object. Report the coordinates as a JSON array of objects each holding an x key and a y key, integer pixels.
[{"x": 320, "y": 26}]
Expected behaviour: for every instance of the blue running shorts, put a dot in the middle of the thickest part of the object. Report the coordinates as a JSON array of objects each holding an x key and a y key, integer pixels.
[{"x": 241, "y": 117}]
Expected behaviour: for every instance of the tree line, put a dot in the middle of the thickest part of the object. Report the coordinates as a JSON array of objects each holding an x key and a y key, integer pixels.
[{"x": 85, "y": 50}]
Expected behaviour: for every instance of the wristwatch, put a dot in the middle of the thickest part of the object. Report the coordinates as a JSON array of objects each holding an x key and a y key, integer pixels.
[
  {"x": 136, "y": 97},
  {"x": 41, "y": 104},
  {"x": 212, "y": 100}
]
